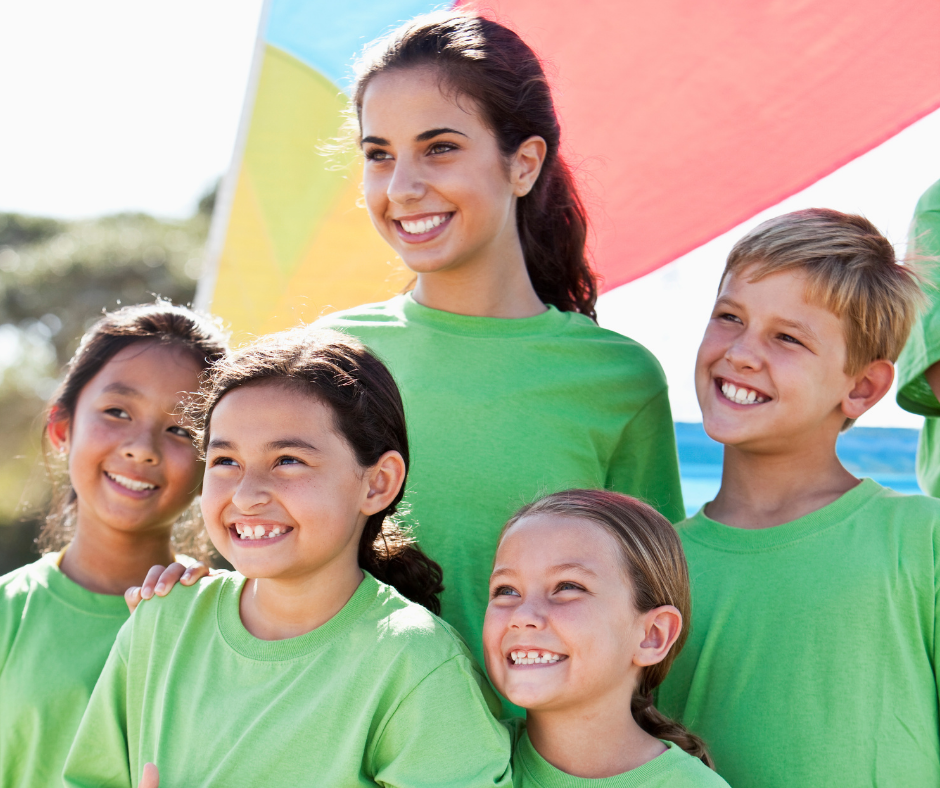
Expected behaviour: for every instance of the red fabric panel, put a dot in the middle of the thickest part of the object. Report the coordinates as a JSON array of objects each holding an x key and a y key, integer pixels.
[{"x": 688, "y": 117}]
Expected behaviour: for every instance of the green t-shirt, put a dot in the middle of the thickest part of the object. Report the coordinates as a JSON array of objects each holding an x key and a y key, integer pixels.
[
  {"x": 502, "y": 411},
  {"x": 813, "y": 652},
  {"x": 922, "y": 350},
  {"x": 675, "y": 768},
  {"x": 54, "y": 640},
  {"x": 384, "y": 693}
]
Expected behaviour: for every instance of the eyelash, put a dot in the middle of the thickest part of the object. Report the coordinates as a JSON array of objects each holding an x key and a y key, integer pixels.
[
  {"x": 436, "y": 149},
  {"x": 574, "y": 586},
  {"x": 499, "y": 591}
]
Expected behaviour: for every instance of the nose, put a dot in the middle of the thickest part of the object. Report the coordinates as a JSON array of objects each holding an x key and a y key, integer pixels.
[
  {"x": 143, "y": 447},
  {"x": 252, "y": 491},
  {"x": 407, "y": 183},
  {"x": 744, "y": 353},
  {"x": 528, "y": 614}
]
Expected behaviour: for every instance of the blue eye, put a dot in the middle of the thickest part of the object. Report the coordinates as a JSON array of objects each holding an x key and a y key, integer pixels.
[
  {"x": 287, "y": 461},
  {"x": 505, "y": 591},
  {"x": 223, "y": 461},
  {"x": 568, "y": 586}
]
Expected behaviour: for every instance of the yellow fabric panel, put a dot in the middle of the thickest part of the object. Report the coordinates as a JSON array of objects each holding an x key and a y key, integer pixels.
[{"x": 296, "y": 245}]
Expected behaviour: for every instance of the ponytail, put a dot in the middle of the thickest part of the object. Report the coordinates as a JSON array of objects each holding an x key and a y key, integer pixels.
[
  {"x": 490, "y": 64},
  {"x": 391, "y": 556},
  {"x": 651, "y": 720}
]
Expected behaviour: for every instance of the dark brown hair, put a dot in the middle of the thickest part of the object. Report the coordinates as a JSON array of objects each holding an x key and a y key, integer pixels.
[
  {"x": 655, "y": 564},
  {"x": 162, "y": 323},
  {"x": 368, "y": 413},
  {"x": 491, "y": 65}
]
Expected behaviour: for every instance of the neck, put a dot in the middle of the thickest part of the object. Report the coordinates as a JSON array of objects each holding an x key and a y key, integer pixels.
[
  {"x": 762, "y": 490},
  {"x": 277, "y": 609},
  {"x": 497, "y": 284},
  {"x": 109, "y": 562},
  {"x": 592, "y": 743}
]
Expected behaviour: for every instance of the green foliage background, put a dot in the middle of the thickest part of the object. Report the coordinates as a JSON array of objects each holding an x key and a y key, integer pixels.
[{"x": 56, "y": 278}]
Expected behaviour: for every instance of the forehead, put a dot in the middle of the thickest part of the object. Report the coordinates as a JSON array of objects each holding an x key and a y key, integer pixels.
[
  {"x": 149, "y": 368},
  {"x": 269, "y": 407},
  {"x": 779, "y": 293},
  {"x": 411, "y": 101},
  {"x": 541, "y": 541}
]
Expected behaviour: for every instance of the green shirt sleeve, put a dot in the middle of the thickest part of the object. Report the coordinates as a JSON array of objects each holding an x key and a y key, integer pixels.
[
  {"x": 99, "y": 757},
  {"x": 445, "y": 734},
  {"x": 646, "y": 461},
  {"x": 923, "y": 346}
]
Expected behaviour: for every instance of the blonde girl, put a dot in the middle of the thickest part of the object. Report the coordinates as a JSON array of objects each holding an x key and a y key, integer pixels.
[{"x": 589, "y": 605}]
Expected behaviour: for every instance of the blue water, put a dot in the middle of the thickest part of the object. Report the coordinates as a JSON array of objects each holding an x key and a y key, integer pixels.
[{"x": 884, "y": 454}]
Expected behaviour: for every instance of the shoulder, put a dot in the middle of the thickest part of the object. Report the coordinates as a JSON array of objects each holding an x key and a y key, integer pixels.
[
  {"x": 17, "y": 585},
  {"x": 377, "y": 315},
  {"x": 174, "y": 611},
  {"x": 687, "y": 771},
  {"x": 917, "y": 511},
  {"x": 929, "y": 200},
  {"x": 403, "y": 624}
]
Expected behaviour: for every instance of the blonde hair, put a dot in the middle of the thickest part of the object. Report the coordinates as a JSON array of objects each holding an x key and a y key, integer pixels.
[
  {"x": 654, "y": 562},
  {"x": 851, "y": 270}
]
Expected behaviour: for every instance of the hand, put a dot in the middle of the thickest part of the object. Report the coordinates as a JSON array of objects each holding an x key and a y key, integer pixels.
[
  {"x": 160, "y": 580},
  {"x": 151, "y": 777}
]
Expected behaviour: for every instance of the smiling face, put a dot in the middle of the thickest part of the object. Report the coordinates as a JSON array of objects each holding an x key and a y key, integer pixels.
[
  {"x": 770, "y": 370},
  {"x": 132, "y": 463},
  {"x": 561, "y": 629},
  {"x": 436, "y": 186},
  {"x": 283, "y": 496}
]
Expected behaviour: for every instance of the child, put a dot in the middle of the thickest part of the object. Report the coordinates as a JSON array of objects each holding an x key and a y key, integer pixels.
[
  {"x": 306, "y": 668},
  {"x": 132, "y": 473},
  {"x": 589, "y": 605},
  {"x": 813, "y": 654},
  {"x": 510, "y": 387}
]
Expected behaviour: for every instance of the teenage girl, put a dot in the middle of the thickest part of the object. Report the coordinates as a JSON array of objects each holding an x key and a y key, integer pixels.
[
  {"x": 589, "y": 605},
  {"x": 510, "y": 387},
  {"x": 133, "y": 471},
  {"x": 338, "y": 678}
]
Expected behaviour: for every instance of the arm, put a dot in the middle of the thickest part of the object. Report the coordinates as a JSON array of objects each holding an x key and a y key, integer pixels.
[
  {"x": 444, "y": 734},
  {"x": 99, "y": 757},
  {"x": 645, "y": 463}
]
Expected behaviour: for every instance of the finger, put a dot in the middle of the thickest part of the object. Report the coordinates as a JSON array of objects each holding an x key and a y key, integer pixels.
[
  {"x": 169, "y": 578},
  {"x": 146, "y": 590},
  {"x": 132, "y": 597},
  {"x": 196, "y": 572},
  {"x": 150, "y": 778}
]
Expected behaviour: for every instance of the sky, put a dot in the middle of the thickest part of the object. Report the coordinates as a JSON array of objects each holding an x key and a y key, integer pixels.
[{"x": 126, "y": 105}]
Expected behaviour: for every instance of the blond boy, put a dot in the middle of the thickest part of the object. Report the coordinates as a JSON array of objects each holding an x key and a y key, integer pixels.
[{"x": 814, "y": 646}]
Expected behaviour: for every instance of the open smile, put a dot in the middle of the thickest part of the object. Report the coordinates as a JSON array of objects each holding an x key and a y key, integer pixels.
[
  {"x": 739, "y": 394},
  {"x": 258, "y": 534},
  {"x": 136, "y": 488},
  {"x": 418, "y": 229},
  {"x": 534, "y": 656}
]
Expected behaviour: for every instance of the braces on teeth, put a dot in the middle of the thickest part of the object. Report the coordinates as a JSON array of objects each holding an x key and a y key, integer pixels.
[
  {"x": 257, "y": 532},
  {"x": 534, "y": 657},
  {"x": 742, "y": 396}
]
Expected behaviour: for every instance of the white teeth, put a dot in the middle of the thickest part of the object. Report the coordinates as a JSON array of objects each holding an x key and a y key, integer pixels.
[
  {"x": 423, "y": 225},
  {"x": 253, "y": 532},
  {"x": 741, "y": 396},
  {"x": 130, "y": 484},
  {"x": 534, "y": 657}
]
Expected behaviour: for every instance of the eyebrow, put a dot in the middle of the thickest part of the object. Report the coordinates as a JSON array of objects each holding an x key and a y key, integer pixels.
[
  {"x": 121, "y": 388},
  {"x": 424, "y": 136},
  {"x": 290, "y": 443},
  {"x": 558, "y": 569}
]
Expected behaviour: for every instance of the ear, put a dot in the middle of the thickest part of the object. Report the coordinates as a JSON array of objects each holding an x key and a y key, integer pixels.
[
  {"x": 385, "y": 479},
  {"x": 58, "y": 428},
  {"x": 871, "y": 384},
  {"x": 662, "y": 626},
  {"x": 526, "y": 165}
]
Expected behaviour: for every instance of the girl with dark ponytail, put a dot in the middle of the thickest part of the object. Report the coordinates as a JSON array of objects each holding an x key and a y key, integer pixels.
[
  {"x": 589, "y": 605},
  {"x": 509, "y": 385},
  {"x": 337, "y": 676}
]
